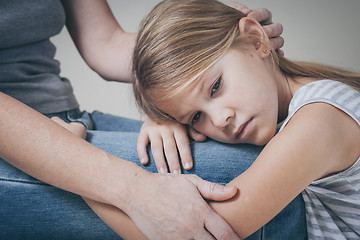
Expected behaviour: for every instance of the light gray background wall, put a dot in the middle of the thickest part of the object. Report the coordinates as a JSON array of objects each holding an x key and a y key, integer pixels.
[{"x": 325, "y": 31}]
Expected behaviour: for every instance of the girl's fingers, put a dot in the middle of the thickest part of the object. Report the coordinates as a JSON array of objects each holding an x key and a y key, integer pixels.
[
  {"x": 158, "y": 154},
  {"x": 167, "y": 142},
  {"x": 171, "y": 153},
  {"x": 199, "y": 137},
  {"x": 183, "y": 145},
  {"x": 142, "y": 142}
]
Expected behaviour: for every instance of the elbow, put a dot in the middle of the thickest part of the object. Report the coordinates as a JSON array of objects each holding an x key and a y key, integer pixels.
[
  {"x": 240, "y": 214},
  {"x": 111, "y": 71}
]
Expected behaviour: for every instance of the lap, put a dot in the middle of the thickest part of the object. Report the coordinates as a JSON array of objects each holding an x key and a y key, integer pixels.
[
  {"x": 31, "y": 209},
  {"x": 213, "y": 161},
  {"x": 109, "y": 122}
]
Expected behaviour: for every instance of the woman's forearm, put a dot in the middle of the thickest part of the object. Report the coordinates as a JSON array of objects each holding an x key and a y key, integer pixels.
[
  {"x": 45, "y": 150},
  {"x": 101, "y": 41}
]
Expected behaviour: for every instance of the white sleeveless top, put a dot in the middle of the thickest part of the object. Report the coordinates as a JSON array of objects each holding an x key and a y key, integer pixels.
[{"x": 332, "y": 203}]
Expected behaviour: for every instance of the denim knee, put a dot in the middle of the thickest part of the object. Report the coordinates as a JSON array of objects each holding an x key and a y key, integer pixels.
[{"x": 31, "y": 209}]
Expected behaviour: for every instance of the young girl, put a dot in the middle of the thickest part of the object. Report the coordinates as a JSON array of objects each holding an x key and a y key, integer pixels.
[{"x": 206, "y": 65}]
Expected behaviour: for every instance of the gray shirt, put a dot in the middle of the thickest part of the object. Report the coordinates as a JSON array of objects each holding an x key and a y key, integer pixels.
[{"x": 28, "y": 70}]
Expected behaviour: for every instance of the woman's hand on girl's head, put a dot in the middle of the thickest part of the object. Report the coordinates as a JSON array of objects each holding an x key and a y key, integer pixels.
[
  {"x": 273, "y": 30},
  {"x": 264, "y": 17},
  {"x": 168, "y": 142}
]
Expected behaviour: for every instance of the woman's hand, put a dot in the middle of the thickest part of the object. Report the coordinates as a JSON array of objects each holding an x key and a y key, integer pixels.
[
  {"x": 168, "y": 142},
  {"x": 76, "y": 128},
  {"x": 171, "y": 206},
  {"x": 264, "y": 17}
]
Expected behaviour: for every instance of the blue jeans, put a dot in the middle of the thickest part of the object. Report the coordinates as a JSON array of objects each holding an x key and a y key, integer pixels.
[{"x": 31, "y": 209}]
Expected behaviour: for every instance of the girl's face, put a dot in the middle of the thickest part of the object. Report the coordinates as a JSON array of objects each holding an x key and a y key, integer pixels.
[{"x": 234, "y": 101}]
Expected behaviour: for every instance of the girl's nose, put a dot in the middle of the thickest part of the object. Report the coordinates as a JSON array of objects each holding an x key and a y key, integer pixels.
[{"x": 222, "y": 118}]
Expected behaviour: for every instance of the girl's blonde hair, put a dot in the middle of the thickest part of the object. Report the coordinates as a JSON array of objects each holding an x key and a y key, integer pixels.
[{"x": 180, "y": 39}]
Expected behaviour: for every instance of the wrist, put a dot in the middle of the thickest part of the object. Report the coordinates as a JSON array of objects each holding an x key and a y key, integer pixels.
[{"x": 125, "y": 182}]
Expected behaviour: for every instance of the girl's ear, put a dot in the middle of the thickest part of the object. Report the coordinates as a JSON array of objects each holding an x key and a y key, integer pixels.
[{"x": 258, "y": 37}]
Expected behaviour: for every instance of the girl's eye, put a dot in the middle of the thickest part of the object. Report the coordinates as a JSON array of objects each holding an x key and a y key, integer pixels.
[
  {"x": 216, "y": 86},
  {"x": 196, "y": 117}
]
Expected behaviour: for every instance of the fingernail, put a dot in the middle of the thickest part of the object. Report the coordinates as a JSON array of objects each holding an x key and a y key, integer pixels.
[
  {"x": 187, "y": 165},
  {"x": 161, "y": 170},
  {"x": 142, "y": 160},
  {"x": 176, "y": 171}
]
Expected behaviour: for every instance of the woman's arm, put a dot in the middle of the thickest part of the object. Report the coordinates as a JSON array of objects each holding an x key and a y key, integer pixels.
[
  {"x": 114, "y": 217},
  {"x": 108, "y": 49},
  {"x": 103, "y": 44},
  {"x": 308, "y": 148},
  {"x": 45, "y": 150}
]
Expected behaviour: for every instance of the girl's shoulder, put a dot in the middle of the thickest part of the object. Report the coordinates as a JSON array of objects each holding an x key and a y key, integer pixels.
[
  {"x": 335, "y": 93},
  {"x": 321, "y": 113}
]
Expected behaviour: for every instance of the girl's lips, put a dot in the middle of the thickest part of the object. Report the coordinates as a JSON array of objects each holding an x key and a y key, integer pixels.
[{"x": 244, "y": 130}]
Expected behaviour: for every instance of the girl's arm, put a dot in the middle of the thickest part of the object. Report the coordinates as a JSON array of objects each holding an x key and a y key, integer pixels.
[
  {"x": 117, "y": 220},
  {"x": 318, "y": 141},
  {"x": 103, "y": 44}
]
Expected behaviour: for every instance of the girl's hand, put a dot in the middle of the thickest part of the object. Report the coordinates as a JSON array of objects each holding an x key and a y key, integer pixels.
[
  {"x": 168, "y": 141},
  {"x": 264, "y": 17},
  {"x": 199, "y": 137}
]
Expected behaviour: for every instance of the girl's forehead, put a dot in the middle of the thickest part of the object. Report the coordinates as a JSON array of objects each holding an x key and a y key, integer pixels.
[
  {"x": 175, "y": 93},
  {"x": 207, "y": 71}
]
